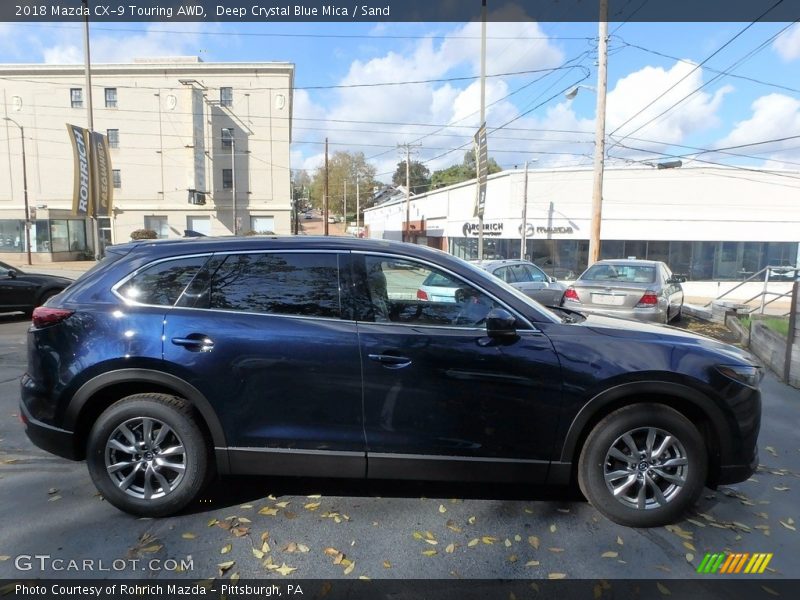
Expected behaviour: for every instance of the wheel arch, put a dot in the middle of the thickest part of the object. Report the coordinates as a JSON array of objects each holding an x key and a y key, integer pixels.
[
  {"x": 693, "y": 404},
  {"x": 97, "y": 394}
]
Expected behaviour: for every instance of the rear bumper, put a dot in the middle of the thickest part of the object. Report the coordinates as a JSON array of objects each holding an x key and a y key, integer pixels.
[
  {"x": 47, "y": 437},
  {"x": 649, "y": 315}
]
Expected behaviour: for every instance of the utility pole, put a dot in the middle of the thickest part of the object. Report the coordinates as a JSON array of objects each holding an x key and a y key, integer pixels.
[
  {"x": 524, "y": 230},
  {"x": 233, "y": 184},
  {"x": 358, "y": 207},
  {"x": 325, "y": 199},
  {"x": 599, "y": 134},
  {"x": 24, "y": 189},
  {"x": 90, "y": 114},
  {"x": 408, "y": 148},
  {"x": 483, "y": 114},
  {"x": 345, "y": 205}
]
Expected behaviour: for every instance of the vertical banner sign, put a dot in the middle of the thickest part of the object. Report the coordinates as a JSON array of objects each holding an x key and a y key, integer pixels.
[
  {"x": 82, "y": 189},
  {"x": 101, "y": 175},
  {"x": 482, "y": 169}
]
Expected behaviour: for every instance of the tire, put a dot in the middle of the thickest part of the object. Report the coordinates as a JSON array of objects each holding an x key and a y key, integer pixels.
[
  {"x": 184, "y": 447},
  {"x": 606, "y": 445}
]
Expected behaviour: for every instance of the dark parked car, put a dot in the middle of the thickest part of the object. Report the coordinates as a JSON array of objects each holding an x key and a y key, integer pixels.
[
  {"x": 20, "y": 291},
  {"x": 176, "y": 360}
]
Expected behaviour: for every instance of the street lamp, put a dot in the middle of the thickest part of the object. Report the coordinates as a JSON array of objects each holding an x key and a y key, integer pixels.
[
  {"x": 25, "y": 189},
  {"x": 570, "y": 95}
]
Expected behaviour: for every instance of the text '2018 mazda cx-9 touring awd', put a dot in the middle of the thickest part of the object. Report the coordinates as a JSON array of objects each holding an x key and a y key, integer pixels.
[{"x": 174, "y": 361}]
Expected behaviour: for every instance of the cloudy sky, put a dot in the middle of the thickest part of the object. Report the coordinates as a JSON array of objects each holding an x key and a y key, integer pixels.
[{"x": 673, "y": 89}]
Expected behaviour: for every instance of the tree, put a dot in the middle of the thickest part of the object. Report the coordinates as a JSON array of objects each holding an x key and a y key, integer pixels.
[
  {"x": 343, "y": 166},
  {"x": 301, "y": 185},
  {"x": 462, "y": 172},
  {"x": 419, "y": 176}
]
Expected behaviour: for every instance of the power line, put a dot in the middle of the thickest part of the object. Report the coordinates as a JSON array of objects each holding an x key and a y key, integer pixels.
[{"x": 704, "y": 61}]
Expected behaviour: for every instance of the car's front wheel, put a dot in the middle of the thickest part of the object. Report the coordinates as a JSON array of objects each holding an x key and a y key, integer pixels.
[
  {"x": 643, "y": 465},
  {"x": 147, "y": 455}
]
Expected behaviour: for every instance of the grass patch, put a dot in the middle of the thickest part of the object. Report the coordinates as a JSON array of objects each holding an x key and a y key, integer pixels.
[{"x": 776, "y": 324}]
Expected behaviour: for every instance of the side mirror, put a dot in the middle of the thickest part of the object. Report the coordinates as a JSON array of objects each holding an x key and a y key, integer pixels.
[
  {"x": 552, "y": 279},
  {"x": 500, "y": 324},
  {"x": 12, "y": 274}
]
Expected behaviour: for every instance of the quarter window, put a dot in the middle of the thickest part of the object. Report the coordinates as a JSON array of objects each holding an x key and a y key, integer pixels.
[
  {"x": 274, "y": 283},
  {"x": 163, "y": 283},
  {"x": 401, "y": 291}
]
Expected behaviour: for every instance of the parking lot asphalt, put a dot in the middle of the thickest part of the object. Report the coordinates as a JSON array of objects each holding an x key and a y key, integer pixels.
[{"x": 300, "y": 528}]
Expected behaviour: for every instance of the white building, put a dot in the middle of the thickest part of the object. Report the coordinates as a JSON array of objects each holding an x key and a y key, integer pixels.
[
  {"x": 707, "y": 223},
  {"x": 173, "y": 125}
]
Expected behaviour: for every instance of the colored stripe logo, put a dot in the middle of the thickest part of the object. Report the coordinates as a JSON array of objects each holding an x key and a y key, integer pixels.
[{"x": 728, "y": 563}]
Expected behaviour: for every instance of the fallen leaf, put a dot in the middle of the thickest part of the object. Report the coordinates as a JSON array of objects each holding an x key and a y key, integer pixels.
[
  {"x": 54, "y": 498},
  {"x": 244, "y": 520},
  {"x": 225, "y": 549},
  {"x": 331, "y": 551},
  {"x": 364, "y": 577},
  {"x": 240, "y": 531},
  {"x": 4, "y": 557},
  {"x": 188, "y": 536},
  {"x": 529, "y": 511},
  {"x": 556, "y": 550},
  {"x": 553, "y": 528},
  {"x": 387, "y": 564},
  {"x": 450, "y": 548},
  {"x": 267, "y": 510},
  {"x": 442, "y": 508},
  {"x": 285, "y": 570},
  {"x": 417, "y": 535},
  {"x": 696, "y": 523},
  {"x": 431, "y": 542},
  {"x": 556, "y": 575},
  {"x": 52, "y": 491},
  {"x": 777, "y": 488},
  {"x": 283, "y": 504},
  {"x": 689, "y": 546},
  {"x": 289, "y": 514},
  {"x": 689, "y": 557},
  {"x": 610, "y": 554},
  {"x": 787, "y": 525},
  {"x": 451, "y": 525},
  {"x": 271, "y": 497},
  {"x": 513, "y": 558},
  {"x": 246, "y": 506},
  {"x": 471, "y": 520},
  {"x": 350, "y": 568},
  {"x": 258, "y": 553},
  {"x": 771, "y": 450},
  {"x": 488, "y": 540},
  {"x": 663, "y": 589},
  {"x": 153, "y": 548},
  {"x": 532, "y": 563},
  {"x": 473, "y": 543},
  {"x": 235, "y": 576},
  {"x": 769, "y": 590},
  {"x": 518, "y": 538},
  {"x": 224, "y": 566},
  {"x": 212, "y": 522},
  {"x": 533, "y": 541},
  {"x": 314, "y": 496},
  {"x": 619, "y": 541},
  {"x": 312, "y": 506},
  {"x": 265, "y": 536},
  {"x": 507, "y": 543},
  {"x": 429, "y": 552}
]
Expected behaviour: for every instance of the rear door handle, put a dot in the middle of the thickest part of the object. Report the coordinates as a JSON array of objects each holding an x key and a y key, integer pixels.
[
  {"x": 390, "y": 361},
  {"x": 195, "y": 342}
]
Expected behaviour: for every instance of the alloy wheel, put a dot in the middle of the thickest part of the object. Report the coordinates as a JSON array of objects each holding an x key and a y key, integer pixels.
[
  {"x": 646, "y": 468},
  {"x": 145, "y": 458}
]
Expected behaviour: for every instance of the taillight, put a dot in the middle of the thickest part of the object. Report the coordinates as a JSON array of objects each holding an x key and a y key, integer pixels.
[
  {"x": 44, "y": 316},
  {"x": 649, "y": 300},
  {"x": 422, "y": 295},
  {"x": 572, "y": 295}
]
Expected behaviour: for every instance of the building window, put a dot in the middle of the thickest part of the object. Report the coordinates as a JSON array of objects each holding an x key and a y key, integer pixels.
[
  {"x": 111, "y": 97},
  {"x": 76, "y": 97},
  {"x": 227, "y": 137},
  {"x": 117, "y": 178},
  {"x": 226, "y": 96},
  {"x": 199, "y": 224},
  {"x": 158, "y": 224},
  {"x": 113, "y": 138},
  {"x": 262, "y": 224},
  {"x": 227, "y": 179}
]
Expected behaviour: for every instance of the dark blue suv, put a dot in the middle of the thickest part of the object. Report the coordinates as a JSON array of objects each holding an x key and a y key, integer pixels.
[{"x": 174, "y": 361}]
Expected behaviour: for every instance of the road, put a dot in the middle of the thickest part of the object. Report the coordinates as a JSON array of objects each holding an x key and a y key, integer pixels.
[{"x": 384, "y": 530}]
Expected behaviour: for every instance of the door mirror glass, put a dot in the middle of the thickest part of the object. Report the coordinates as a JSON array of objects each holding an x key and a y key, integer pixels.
[
  {"x": 553, "y": 279},
  {"x": 500, "y": 323}
]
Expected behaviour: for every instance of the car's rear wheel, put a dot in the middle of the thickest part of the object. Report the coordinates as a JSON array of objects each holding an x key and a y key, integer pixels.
[
  {"x": 643, "y": 465},
  {"x": 147, "y": 455}
]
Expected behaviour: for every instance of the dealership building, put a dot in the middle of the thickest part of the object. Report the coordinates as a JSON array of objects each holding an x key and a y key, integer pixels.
[
  {"x": 709, "y": 223},
  {"x": 193, "y": 145}
]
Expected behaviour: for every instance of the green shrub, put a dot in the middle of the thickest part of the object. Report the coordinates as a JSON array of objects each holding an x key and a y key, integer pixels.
[{"x": 144, "y": 234}]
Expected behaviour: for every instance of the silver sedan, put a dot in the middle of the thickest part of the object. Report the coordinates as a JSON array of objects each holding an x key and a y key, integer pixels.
[{"x": 632, "y": 289}]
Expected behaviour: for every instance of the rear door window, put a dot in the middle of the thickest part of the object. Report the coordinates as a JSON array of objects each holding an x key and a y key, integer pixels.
[{"x": 299, "y": 284}]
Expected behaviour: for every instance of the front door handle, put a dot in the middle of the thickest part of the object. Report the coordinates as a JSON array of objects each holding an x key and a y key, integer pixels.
[
  {"x": 195, "y": 342},
  {"x": 390, "y": 361}
]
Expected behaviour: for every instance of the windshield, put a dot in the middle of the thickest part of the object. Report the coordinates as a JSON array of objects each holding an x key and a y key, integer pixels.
[
  {"x": 547, "y": 313},
  {"x": 620, "y": 273}
]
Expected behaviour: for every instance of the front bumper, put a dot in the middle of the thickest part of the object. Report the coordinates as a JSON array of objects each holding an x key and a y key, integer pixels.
[{"x": 737, "y": 473}]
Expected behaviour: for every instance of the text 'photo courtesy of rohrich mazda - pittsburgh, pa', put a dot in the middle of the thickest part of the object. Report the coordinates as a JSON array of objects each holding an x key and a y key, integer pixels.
[{"x": 400, "y": 299}]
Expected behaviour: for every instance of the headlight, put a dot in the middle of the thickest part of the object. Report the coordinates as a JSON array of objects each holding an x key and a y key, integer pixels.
[{"x": 748, "y": 375}]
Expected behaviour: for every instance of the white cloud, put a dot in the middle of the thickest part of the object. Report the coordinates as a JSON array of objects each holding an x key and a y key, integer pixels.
[
  {"x": 774, "y": 116},
  {"x": 637, "y": 90},
  {"x": 787, "y": 45},
  {"x": 118, "y": 47}
]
